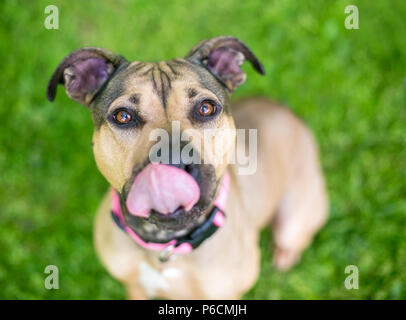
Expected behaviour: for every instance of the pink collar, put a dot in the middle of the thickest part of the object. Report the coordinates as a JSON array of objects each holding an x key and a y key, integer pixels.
[{"x": 187, "y": 243}]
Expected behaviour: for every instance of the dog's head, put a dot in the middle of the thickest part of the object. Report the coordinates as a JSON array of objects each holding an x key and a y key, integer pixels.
[{"x": 130, "y": 101}]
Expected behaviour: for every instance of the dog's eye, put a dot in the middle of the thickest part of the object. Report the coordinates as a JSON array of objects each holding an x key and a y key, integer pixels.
[
  {"x": 206, "y": 109},
  {"x": 122, "y": 116}
]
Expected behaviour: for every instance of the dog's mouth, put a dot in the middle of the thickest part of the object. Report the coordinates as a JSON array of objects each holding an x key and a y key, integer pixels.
[
  {"x": 162, "y": 189},
  {"x": 169, "y": 197}
]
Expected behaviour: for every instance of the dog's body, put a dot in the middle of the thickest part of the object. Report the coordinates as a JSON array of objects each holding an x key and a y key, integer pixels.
[{"x": 287, "y": 188}]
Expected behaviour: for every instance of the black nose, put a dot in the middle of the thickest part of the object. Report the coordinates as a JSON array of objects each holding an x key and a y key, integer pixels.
[
  {"x": 173, "y": 158},
  {"x": 180, "y": 165}
]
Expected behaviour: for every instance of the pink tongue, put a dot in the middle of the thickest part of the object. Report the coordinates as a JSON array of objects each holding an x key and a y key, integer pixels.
[{"x": 163, "y": 188}]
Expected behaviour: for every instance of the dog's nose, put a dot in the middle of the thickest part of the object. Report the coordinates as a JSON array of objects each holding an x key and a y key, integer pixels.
[
  {"x": 181, "y": 165},
  {"x": 173, "y": 158},
  {"x": 176, "y": 161}
]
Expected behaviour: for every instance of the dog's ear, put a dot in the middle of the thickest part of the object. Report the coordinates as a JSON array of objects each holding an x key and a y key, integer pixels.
[
  {"x": 83, "y": 73},
  {"x": 223, "y": 57}
]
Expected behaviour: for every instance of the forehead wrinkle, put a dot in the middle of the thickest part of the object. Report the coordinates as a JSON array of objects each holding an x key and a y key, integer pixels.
[
  {"x": 149, "y": 104},
  {"x": 160, "y": 74}
]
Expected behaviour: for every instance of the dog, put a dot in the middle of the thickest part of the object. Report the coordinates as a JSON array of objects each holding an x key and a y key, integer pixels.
[{"x": 180, "y": 230}]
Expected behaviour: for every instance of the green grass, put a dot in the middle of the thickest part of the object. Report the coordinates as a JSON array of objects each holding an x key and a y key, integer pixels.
[{"x": 348, "y": 85}]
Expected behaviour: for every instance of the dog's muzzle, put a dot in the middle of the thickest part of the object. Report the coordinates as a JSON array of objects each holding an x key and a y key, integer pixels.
[{"x": 188, "y": 242}]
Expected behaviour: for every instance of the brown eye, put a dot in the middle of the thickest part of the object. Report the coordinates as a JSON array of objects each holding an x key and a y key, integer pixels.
[
  {"x": 123, "y": 117},
  {"x": 206, "y": 109}
]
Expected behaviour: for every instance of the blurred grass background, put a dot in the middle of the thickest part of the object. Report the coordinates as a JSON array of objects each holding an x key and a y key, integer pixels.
[{"x": 348, "y": 85}]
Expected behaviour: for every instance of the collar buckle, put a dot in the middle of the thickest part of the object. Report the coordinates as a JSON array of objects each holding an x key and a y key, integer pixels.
[{"x": 167, "y": 254}]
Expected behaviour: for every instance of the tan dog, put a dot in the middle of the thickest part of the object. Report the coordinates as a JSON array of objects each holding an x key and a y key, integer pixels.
[{"x": 128, "y": 101}]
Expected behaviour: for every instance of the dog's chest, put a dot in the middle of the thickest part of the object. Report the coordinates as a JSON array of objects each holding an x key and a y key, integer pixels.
[
  {"x": 206, "y": 277},
  {"x": 155, "y": 280}
]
